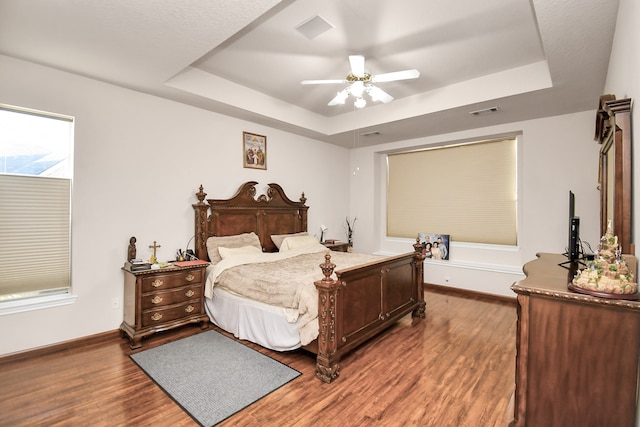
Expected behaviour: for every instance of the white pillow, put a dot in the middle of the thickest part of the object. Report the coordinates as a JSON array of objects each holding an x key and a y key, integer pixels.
[
  {"x": 296, "y": 242},
  {"x": 237, "y": 241},
  {"x": 244, "y": 250},
  {"x": 279, "y": 238}
]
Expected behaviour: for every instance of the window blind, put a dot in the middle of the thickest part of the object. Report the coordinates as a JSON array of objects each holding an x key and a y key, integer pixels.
[
  {"x": 468, "y": 191},
  {"x": 35, "y": 230}
]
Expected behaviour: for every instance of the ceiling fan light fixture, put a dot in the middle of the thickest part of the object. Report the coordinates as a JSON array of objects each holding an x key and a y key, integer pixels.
[
  {"x": 342, "y": 96},
  {"x": 378, "y": 95},
  {"x": 357, "y": 89},
  {"x": 360, "y": 82}
]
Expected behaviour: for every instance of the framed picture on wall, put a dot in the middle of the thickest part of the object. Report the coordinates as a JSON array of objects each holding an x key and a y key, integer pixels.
[
  {"x": 254, "y": 150},
  {"x": 435, "y": 246}
]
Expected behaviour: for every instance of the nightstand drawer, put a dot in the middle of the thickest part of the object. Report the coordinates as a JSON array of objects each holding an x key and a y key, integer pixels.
[
  {"x": 167, "y": 314},
  {"x": 170, "y": 297},
  {"x": 171, "y": 280}
]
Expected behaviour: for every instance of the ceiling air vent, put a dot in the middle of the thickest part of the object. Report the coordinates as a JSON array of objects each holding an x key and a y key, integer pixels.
[{"x": 313, "y": 27}]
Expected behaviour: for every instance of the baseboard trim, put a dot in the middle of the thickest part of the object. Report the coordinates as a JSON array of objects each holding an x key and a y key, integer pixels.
[
  {"x": 112, "y": 335},
  {"x": 466, "y": 293},
  {"x": 61, "y": 347}
]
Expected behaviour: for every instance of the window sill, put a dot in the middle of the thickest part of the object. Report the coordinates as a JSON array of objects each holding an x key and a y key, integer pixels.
[{"x": 36, "y": 303}]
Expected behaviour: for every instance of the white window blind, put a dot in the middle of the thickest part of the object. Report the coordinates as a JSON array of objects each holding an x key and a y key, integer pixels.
[
  {"x": 35, "y": 203},
  {"x": 468, "y": 191},
  {"x": 35, "y": 229}
]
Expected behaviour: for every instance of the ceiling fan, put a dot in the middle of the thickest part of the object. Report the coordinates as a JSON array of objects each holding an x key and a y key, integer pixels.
[{"x": 362, "y": 82}]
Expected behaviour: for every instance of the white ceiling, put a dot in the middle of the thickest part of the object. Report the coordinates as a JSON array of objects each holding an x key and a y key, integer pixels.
[{"x": 245, "y": 58}]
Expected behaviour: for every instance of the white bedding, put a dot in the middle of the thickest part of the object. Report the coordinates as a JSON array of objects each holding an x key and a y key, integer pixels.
[
  {"x": 254, "y": 321},
  {"x": 279, "y": 280}
]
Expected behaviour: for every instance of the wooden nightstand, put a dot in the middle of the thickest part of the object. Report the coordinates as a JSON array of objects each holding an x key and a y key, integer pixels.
[
  {"x": 337, "y": 246},
  {"x": 158, "y": 300}
]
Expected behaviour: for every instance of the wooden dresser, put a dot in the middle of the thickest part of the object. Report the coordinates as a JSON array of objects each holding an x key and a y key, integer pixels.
[
  {"x": 157, "y": 300},
  {"x": 577, "y": 355}
]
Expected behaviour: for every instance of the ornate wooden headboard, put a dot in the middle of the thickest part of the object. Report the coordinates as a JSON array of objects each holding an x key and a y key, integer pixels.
[{"x": 273, "y": 213}]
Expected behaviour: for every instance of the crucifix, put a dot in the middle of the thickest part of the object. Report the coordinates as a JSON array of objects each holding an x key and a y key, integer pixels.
[{"x": 155, "y": 246}]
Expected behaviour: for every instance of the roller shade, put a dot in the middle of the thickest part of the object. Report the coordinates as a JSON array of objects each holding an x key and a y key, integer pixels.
[{"x": 468, "y": 191}]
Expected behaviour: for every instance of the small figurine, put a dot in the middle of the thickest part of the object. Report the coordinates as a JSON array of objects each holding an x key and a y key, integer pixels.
[{"x": 131, "y": 252}]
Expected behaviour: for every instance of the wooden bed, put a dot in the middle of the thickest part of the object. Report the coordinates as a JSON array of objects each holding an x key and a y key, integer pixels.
[{"x": 361, "y": 303}]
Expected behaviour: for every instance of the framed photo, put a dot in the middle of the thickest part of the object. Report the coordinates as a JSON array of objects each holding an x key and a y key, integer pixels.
[
  {"x": 435, "y": 246},
  {"x": 254, "y": 149}
]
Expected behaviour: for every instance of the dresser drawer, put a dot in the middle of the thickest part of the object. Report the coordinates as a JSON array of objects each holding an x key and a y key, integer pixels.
[
  {"x": 171, "y": 280},
  {"x": 167, "y": 314},
  {"x": 172, "y": 296}
]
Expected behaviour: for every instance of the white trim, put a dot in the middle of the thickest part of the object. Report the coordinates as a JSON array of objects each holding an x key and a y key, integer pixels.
[
  {"x": 488, "y": 246},
  {"x": 494, "y": 268},
  {"x": 36, "y": 303}
]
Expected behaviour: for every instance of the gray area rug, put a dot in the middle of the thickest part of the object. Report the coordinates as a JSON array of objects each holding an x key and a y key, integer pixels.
[{"x": 212, "y": 376}]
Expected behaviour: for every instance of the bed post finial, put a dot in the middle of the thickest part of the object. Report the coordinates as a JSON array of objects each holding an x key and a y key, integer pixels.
[
  {"x": 328, "y": 359},
  {"x": 417, "y": 246},
  {"x": 201, "y": 195},
  {"x": 200, "y": 210},
  {"x": 419, "y": 276},
  {"x": 327, "y": 267}
]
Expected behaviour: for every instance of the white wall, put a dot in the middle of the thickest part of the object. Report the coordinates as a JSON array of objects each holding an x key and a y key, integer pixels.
[
  {"x": 623, "y": 82},
  {"x": 138, "y": 162},
  {"x": 556, "y": 154}
]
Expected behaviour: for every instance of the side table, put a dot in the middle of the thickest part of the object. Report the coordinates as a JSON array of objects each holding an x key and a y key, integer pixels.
[{"x": 162, "y": 299}]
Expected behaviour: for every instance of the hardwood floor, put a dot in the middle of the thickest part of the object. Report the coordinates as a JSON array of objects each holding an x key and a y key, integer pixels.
[{"x": 459, "y": 372}]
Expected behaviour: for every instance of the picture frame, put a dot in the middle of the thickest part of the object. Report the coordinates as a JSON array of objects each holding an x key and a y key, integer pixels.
[
  {"x": 254, "y": 150},
  {"x": 428, "y": 239}
]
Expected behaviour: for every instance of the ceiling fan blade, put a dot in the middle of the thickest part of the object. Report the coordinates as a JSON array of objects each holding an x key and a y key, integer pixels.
[
  {"x": 322, "y": 82},
  {"x": 378, "y": 94},
  {"x": 357, "y": 65},
  {"x": 340, "y": 97},
  {"x": 396, "y": 75}
]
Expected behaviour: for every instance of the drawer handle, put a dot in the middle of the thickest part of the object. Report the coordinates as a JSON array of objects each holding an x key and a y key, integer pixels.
[
  {"x": 189, "y": 308},
  {"x": 190, "y": 293},
  {"x": 190, "y": 277},
  {"x": 157, "y": 283},
  {"x": 156, "y": 316},
  {"x": 157, "y": 299}
]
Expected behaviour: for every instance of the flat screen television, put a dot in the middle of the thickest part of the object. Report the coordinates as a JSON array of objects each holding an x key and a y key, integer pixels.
[{"x": 573, "y": 247}]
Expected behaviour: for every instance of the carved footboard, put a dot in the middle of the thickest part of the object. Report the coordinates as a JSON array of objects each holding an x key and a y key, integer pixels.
[{"x": 362, "y": 302}]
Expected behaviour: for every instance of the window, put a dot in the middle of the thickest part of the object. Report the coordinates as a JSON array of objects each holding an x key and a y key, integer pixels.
[
  {"x": 468, "y": 191},
  {"x": 35, "y": 203}
]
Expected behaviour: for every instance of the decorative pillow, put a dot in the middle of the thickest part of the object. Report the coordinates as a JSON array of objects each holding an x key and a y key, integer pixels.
[
  {"x": 244, "y": 250},
  {"x": 237, "y": 241},
  {"x": 296, "y": 242},
  {"x": 278, "y": 238}
]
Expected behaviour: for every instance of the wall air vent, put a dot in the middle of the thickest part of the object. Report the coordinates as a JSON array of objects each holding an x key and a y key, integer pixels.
[
  {"x": 372, "y": 133},
  {"x": 484, "y": 111}
]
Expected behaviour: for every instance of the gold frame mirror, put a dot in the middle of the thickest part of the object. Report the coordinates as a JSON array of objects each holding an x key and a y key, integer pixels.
[{"x": 613, "y": 132}]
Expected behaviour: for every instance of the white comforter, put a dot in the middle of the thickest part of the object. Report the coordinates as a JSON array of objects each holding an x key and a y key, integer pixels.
[{"x": 283, "y": 279}]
